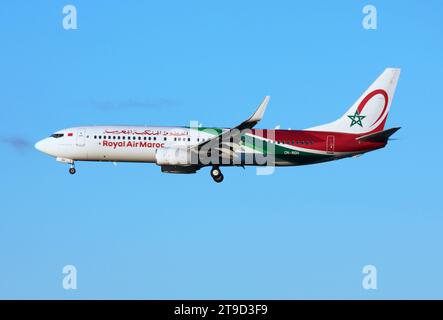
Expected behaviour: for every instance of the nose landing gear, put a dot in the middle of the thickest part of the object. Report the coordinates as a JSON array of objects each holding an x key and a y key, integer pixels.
[
  {"x": 216, "y": 174},
  {"x": 72, "y": 168}
]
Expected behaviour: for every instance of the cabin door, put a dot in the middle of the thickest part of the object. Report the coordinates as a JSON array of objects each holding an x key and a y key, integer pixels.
[
  {"x": 330, "y": 144},
  {"x": 81, "y": 138}
]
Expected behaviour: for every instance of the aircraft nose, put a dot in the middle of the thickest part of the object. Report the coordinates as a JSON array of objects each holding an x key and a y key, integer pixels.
[
  {"x": 39, "y": 145},
  {"x": 42, "y": 145}
]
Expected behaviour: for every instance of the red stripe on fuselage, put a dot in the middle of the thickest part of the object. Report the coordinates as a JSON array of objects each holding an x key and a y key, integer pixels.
[{"x": 344, "y": 142}]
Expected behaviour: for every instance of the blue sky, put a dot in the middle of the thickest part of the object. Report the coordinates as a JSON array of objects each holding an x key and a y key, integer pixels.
[{"x": 303, "y": 232}]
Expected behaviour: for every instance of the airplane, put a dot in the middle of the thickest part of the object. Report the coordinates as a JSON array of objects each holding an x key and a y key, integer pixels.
[{"x": 187, "y": 149}]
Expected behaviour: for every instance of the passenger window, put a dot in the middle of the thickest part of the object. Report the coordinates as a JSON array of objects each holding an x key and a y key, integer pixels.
[{"x": 164, "y": 138}]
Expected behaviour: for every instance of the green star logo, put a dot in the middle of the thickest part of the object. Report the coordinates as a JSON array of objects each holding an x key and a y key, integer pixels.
[{"x": 356, "y": 119}]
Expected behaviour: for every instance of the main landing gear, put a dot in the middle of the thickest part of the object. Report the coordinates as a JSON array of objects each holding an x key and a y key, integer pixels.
[
  {"x": 72, "y": 168},
  {"x": 216, "y": 174}
]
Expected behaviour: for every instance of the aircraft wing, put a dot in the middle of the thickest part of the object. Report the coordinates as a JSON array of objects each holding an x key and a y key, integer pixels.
[{"x": 227, "y": 142}]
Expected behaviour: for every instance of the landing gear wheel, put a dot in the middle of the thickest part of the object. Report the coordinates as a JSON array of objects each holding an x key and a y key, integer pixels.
[
  {"x": 216, "y": 174},
  {"x": 219, "y": 178},
  {"x": 72, "y": 170}
]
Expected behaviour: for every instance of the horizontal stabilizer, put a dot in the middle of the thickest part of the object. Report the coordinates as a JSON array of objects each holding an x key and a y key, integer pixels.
[{"x": 381, "y": 136}]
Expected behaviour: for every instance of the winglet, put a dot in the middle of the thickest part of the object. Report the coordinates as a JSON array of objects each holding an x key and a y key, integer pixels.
[{"x": 258, "y": 115}]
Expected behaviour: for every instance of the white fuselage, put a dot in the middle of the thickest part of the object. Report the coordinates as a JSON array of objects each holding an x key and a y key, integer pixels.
[{"x": 118, "y": 143}]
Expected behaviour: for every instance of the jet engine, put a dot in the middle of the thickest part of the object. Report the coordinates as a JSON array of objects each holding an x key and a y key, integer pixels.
[{"x": 173, "y": 157}]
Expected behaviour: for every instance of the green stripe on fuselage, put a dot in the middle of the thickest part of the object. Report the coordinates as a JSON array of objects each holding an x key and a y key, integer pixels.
[
  {"x": 283, "y": 153},
  {"x": 280, "y": 152}
]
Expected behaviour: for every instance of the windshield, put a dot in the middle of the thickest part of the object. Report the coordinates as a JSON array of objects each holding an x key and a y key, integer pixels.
[{"x": 57, "y": 135}]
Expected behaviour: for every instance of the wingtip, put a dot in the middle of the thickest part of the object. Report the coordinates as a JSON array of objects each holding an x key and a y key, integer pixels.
[
  {"x": 393, "y": 70},
  {"x": 258, "y": 115},
  {"x": 264, "y": 102}
]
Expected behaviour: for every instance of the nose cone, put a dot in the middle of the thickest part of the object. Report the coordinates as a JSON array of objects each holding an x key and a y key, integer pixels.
[
  {"x": 43, "y": 146},
  {"x": 39, "y": 145}
]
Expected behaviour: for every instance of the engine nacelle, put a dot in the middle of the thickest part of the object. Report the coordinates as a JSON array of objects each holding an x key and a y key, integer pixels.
[
  {"x": 179, "y": 169},
  {"x": 173, "y": 157}
]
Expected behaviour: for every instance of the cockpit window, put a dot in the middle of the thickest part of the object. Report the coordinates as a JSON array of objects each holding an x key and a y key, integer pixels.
[{"x": 57, "y": 135}]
